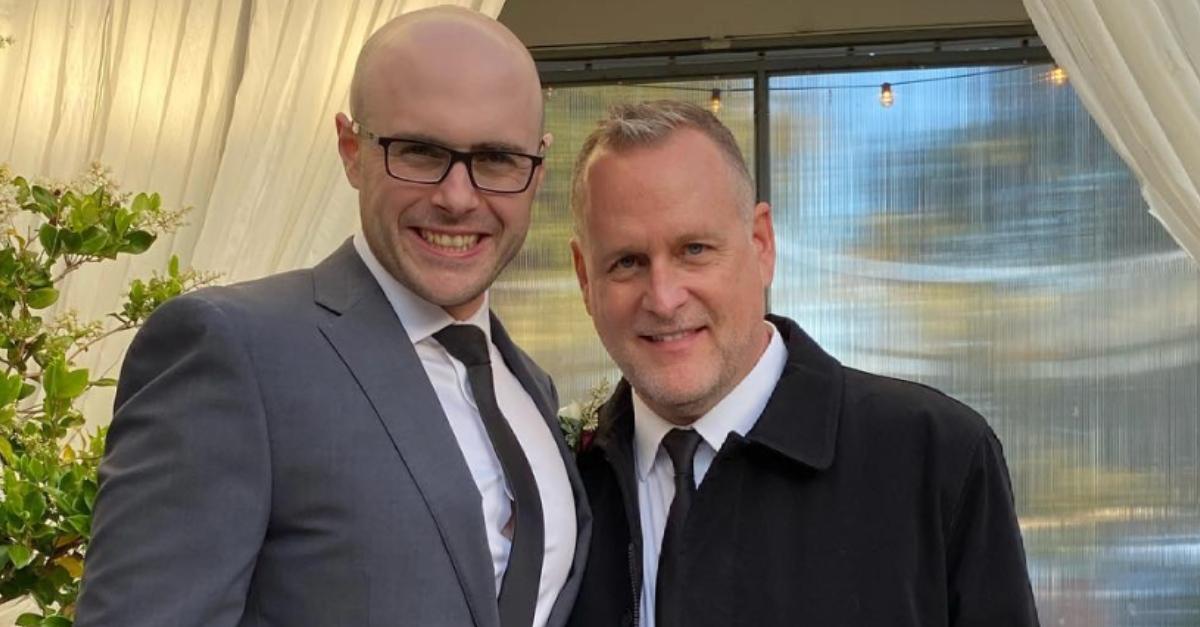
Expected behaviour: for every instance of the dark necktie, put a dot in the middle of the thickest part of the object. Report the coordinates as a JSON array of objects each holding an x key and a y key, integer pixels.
[
  {"x": 519, "y": 588},
  {"x": 681, "y": 446}
]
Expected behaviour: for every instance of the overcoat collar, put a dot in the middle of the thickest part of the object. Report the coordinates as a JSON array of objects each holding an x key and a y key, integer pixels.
[{"x": 799, "y": 422}]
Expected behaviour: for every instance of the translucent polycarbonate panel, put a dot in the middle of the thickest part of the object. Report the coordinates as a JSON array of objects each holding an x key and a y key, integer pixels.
[
  {"x": 979, "y": 235},
  {"x": 538, "y": 296}
]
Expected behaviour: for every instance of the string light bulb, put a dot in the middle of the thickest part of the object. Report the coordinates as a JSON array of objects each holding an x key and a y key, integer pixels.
[
  {"x": 714, "y": 103},
  {"x": 1058, "y": 76},
  {"x": 886, "y": 97}
]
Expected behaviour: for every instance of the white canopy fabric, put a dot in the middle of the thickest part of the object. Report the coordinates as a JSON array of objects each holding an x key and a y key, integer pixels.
[{"x": 226, "y": 106}]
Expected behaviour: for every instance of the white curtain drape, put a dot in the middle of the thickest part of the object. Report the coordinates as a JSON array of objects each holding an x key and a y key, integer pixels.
[
  {"x": 225, "y": 106},
  {"x": 1136, "y": 67}
]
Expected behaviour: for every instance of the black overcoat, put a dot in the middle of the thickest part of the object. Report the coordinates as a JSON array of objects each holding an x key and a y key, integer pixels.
[{"x": 856, "y": 500}]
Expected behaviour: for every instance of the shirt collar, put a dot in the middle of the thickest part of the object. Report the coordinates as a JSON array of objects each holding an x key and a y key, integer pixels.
[
  {"x": 420, "y": 318},
  {"x": 737, "y": 412}
]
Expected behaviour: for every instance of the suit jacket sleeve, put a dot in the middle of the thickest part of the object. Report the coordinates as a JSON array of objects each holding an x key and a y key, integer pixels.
[
  {"x": 988, "y": 581},
  {"x": 185, "y": 481}
]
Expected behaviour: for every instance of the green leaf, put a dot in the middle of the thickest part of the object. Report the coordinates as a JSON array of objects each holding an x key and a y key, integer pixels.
[
  {"x": 104, "y": 383},
  {"x": 35, "y": 505},
  {"x": 48, "y": 236},
  {"x": 3, "y": 555},
  {"x": 6, "y": 451},
  {"x": 27, "y": 390},
  {"x": 74, "y": 383},
  {"x": 71, "y": 241},
  {"x": 29, "y": 620},
  {"x": 61, "y": 383},
  {"x": 56, "y": 621},
  {"x": 173, "y": 267},
  {"x": 52, "y": 378},
  {"x": 42, "y": 298},
  {"x": 47, "y": 203},
  {"x": 122, "y": 220},
  {"x": 81, "y": 524},
  {"x": 94, "y": 240},
  {"x": 10, "y": 388},
  {"x": 20, "y": 556},
  {"x": 87, "y": 214},
  {"x": 90, "y": 488},
  {"x": 138, "y": 242},
  {"x": 141, "y": 204}
]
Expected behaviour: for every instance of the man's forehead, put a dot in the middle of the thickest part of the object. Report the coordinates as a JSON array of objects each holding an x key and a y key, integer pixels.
[
  {"x": 452, "y": 90},
  {"x": 448, "y": 45}
]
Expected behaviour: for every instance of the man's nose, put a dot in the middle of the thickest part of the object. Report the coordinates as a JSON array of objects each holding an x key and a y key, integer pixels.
[
  {"x": 456, "y": 193},
  {"x": 665, "y": 291}
]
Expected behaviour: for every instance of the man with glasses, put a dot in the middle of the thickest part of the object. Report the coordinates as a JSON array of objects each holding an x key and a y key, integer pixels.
[{"x": 359, "y": 443}]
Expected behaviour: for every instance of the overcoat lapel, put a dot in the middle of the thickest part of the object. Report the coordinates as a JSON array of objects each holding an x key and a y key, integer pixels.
[{"x": 371, "y": 341}]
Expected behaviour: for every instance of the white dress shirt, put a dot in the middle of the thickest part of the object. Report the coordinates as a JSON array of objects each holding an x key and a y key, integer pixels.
[
  {"x": 737, "y": 412},
  {"x": 421, "y": 319}
]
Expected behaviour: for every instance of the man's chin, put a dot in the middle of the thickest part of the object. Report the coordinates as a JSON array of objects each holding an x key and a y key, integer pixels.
[{"x": 674, "y": 401}]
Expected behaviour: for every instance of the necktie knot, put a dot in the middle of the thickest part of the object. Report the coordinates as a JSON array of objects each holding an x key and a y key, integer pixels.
[
  {"x": 466, "y": 343},
  {"x": 681, "y": 445}
]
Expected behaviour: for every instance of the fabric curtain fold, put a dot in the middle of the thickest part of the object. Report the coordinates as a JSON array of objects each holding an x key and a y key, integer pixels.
[{"x": 224, "y": 106}]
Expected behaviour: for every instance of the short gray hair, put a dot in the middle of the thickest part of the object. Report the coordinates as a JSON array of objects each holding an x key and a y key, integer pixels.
[{"x": 633, "y": 125}]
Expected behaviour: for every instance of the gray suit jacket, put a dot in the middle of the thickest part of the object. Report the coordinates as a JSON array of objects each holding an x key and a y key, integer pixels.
[{"x": 279, "y": 457}]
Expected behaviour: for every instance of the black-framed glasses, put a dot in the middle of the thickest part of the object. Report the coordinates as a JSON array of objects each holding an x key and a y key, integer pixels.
[{"x": 496, "y": 171}]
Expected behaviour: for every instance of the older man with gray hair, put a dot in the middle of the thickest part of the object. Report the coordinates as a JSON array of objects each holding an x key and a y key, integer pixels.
[{"x": 741, "y": 475}]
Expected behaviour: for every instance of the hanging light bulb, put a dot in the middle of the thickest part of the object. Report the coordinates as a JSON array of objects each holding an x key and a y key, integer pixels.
[
  {"x": 886, "y": 97},
  {"x": 1058, "y": 76},
  {"x": 714, "y": 103}
]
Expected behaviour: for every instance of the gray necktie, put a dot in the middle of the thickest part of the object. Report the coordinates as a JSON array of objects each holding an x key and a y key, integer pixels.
[{"x": 519, "y": 588}]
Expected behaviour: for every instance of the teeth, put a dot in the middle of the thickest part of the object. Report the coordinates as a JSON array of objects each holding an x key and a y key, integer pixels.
[
  {"x": 671, "y": 337},
  {"x": 457, "y": 243}
]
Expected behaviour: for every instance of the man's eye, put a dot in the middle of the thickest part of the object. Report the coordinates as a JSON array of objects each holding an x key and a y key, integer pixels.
[
  {"x": 417, "y": 150},
  {"x": 495, "y": 159},
  {"x": 694, "y": 249},
  {"x": 625, "y": 263}
]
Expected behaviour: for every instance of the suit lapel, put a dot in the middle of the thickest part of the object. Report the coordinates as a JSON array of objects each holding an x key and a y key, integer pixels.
[
  {"x": 371, "y": 341},
  {"x": 546, "y": 401}
]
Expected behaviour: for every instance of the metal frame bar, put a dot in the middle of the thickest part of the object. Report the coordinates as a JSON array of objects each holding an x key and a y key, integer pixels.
[
  {"x": 1014, "y": 30},
  {"x": 666, "y": 69}
]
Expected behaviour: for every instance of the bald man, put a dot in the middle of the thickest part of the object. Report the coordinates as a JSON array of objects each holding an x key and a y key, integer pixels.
[{"x": 359, "y": 443}]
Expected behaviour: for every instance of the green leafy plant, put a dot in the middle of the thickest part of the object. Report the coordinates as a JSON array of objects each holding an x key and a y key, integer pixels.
[{"x": 47, "y": 458}]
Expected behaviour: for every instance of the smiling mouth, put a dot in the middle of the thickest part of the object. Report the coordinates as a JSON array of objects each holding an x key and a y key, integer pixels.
[
  {"x": 671, "y": 337},
  {"x": 456, "y": 243}
]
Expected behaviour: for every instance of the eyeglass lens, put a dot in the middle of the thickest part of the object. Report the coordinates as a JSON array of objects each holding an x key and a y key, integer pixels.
[{"x": 426, "y": 163}]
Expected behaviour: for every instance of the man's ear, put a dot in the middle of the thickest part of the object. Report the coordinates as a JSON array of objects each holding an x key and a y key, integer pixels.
[
  {"x": 581, "y": 273},
  {"x": 538, "y": 176},
  {"x": 348, "y": 146},
  {"x": 763, "y": 235}
]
